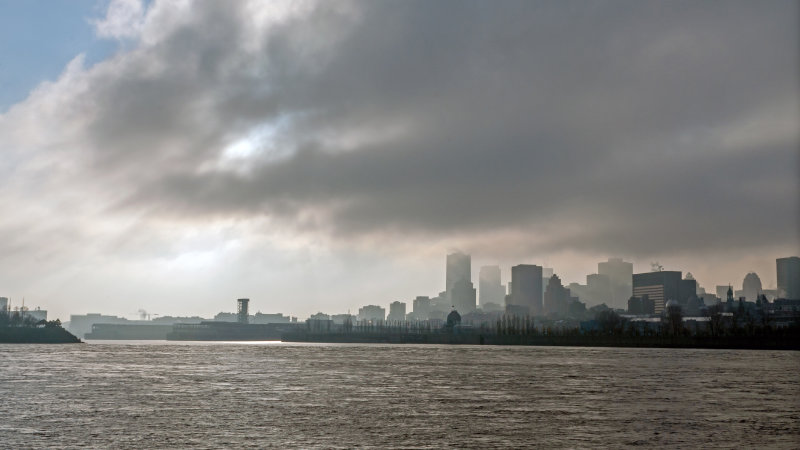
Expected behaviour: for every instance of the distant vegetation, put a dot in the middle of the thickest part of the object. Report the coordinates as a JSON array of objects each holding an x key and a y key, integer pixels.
[{"x": 19, "y": 319}]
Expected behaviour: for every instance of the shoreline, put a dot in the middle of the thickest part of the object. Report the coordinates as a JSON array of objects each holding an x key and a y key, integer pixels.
[
  {"x": 720, "y": 343},
  {"x": 30, "y": 335}
]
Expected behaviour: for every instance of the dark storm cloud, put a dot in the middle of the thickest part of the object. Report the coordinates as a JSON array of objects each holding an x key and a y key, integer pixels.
[{"x": 430, "y": 118}]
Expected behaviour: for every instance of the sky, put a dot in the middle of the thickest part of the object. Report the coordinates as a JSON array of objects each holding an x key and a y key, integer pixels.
[{"x": 320, "y": 156}]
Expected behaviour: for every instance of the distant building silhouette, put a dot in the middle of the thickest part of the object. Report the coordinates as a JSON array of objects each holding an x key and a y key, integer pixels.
[
  {"x": 687, "y": 290},
  {"x": 397, "y": 312},
  {"x": 341, "y": 319},
  {"x": 453, "y": 319},
  {"x": 547, "y": 273},
  {"x": 526, "y": 289},
  {"x": 788, "y": 271},
  {"x": 371, "y": 313},
  {"x": 556, "y": 297},
  {"x": 462, "y": 295},
  {"x": 722, "y": 291},
  {"x": 3, "y": 303},
  {"x": 599, "y": 287},
  {"x": 458, "y": 268},
  {"x": 641, "y": 305},
  {"x": 262, "y": 318},
  {"x": 751, "y": 287},
  {"x": 620, "y": 275},
  {"x": 659, "y": 287},
  {"x": 421, "y": 308},
  {"x": 440, "y": 305},
  {"x": 320, "y": 317},
  {"x": 242, "y": 310},
  {"x": 491, "y": 289}
]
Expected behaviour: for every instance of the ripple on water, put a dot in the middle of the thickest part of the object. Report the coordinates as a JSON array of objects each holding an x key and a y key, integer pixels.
[{"x": 281, "y": 395}]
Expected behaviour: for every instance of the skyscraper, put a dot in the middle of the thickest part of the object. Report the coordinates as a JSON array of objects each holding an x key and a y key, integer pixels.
[
  {"x": 397, "y": 312},
  {"x": 459, "y": 267},
  {"x": 556, "y": 297},
  {"x": 422, "y": 307},
  {"x": 526, "y": 288},
  {"x": 620, "y": 275},
  {"x": 463, "y": 296},
  {"x": 599, "y": 287},
  {"x": 788, "y": 277},
  {"x": 491, "y": 289},
  {"x": 658, "y": 286}
]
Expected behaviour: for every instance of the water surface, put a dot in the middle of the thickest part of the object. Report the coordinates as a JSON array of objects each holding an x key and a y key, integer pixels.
[{"x": 160, "y": 395}]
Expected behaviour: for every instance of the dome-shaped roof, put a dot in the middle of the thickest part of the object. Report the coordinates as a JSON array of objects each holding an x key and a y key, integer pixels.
[
  {"x": 672, "y": 304},
  {"x": 454, "y": 318}
]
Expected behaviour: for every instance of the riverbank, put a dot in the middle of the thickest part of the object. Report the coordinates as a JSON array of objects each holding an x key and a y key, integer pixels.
[
  {"x": 35, "y": 335},
  {"x": 725, "y": 342}
]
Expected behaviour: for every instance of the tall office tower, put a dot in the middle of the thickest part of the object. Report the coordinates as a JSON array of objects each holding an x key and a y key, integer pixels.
[
  {"x": 459, "y": 267},
  {"x": 463, "y": 296},
  {"x": 422, "y": 307},
  {"x": 620, "y": 274},
  {"x": 599, "y": 287},
  {"x": 659, "y": 287},
  {"x": 751, "y": 286},
  {"x": 491, "y": 289},
  {"x": 397, "y": 312},
  {"x": 556, "y": 297},
  {"x": 687, "y": 289},
  {"x": 547, "y": 273},
  {"x": 371, "y": 313},
  {"x": 788, "y": 277},
  {"x": 3, "y": 304},
  {"x": 526, "y": 289}
]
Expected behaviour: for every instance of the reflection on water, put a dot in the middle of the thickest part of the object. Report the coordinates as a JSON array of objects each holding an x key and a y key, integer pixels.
[{"x": 160, "y": 395}]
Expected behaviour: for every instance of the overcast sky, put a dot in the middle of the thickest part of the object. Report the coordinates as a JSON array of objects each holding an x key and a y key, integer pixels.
[{"x": 320, "y": 156}]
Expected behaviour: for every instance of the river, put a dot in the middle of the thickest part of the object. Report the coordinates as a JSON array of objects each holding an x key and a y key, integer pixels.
[{"x": 201, "y": 395}]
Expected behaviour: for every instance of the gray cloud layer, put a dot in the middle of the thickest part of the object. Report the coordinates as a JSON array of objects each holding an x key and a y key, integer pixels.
[{"x": 632, "y": 119}]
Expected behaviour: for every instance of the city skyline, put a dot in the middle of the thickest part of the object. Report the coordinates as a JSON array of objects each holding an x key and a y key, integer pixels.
[
  {"x": 315, "y": 156},
  {"x": 454, "y": 269}
]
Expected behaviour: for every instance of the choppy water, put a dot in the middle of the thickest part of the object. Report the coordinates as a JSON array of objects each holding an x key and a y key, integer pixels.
[{"x": 226, "y": 395}]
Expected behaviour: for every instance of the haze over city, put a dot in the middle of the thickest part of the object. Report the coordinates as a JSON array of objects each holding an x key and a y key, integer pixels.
[{"x": 321, "y": 156}]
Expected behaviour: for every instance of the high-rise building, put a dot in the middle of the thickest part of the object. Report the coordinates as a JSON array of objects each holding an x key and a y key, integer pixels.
[
  {"x": 422, "y": 307},
  {"x": 556, "y": 297},
  {"x": 751, "y": 287},
  {"x": 641, "y": 305},
  {"x": 526, "y": 289},
  {"x": 547, "y": 273},
  {"x": 658, "y": 287},
  {"x": 687, "y": 289},
  {"x": 463, "y": 296},
  {"x": 620, "y": 275},
  {"x": 458, "y": 268},
  {"x": 397, "y": 312},
  {"x": 599, "y": 287},
  {"x": 3, "y": 304},
  {"x": 491, "y": 288},
  {"x": 371, "y": 313},
  {"x": 788, "y": 277}
]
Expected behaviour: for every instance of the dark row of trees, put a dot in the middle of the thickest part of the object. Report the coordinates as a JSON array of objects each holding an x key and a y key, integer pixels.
[
  {"x": 20, "y": 319},
  {"x": 723, "y": 322}
]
